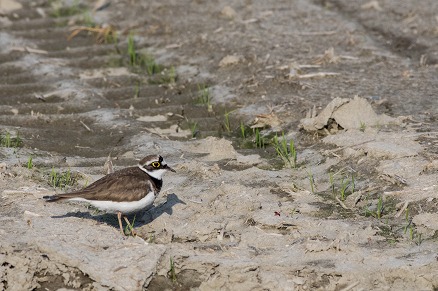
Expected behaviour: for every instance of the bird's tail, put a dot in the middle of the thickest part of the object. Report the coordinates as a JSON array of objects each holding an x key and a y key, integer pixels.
[
  {"x": 57, "y": 197},
  {"x": 51, "y": 198}
]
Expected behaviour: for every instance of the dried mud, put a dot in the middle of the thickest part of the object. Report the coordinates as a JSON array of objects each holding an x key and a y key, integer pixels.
[{"x": 358, "y": 212}]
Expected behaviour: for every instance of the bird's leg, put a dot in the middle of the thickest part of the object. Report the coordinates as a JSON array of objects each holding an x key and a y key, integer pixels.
[
  {"x": 131, "y": 227},
  {"x": 119, "y": 216}
]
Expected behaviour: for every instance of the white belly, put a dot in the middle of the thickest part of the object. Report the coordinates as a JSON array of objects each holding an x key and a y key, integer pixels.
[{"x": 123, "y": 207}]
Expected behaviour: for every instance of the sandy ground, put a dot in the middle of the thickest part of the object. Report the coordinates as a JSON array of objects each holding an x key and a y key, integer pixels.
[{"x": 353, "y": 83}]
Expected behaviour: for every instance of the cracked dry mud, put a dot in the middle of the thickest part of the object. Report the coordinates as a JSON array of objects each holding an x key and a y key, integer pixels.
[{"x": 359, "y": 212}]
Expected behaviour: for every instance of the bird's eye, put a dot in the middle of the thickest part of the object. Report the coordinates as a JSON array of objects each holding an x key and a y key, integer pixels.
[{"x": 156, "y": 164}]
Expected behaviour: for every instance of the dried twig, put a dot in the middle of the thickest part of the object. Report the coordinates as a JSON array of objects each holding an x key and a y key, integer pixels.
[
  {"x": 318, "y": 75},
  {"x": 341, "y": 203},
  {"x": 405, "y": 205},
  {"x": 86, "y": 126}
]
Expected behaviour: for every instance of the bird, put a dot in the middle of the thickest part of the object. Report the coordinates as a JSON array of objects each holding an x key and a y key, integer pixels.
[{"x": 125, "y": 191}]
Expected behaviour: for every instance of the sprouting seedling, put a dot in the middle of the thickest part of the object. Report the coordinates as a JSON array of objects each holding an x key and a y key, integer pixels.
[
  {"x": 194, "y": 128},
  {"x": 6, "y": 142},
  {"x": 362, "y": 126},
  {"x": 344, "y": 186},
  {"x": 87, "y": 19},
  {"x": 332, "y": 181},
  {"x": 30, "y": 163},
  {"x": 137, "y": 89},
  {"x": 58, "y": 10},
  {"x": 151, "y": 239},
  {"x": 172, "y": 273},
  {"x": 132, "y": 53},
  {"x": 129, "y": 228},
  {"x": 227, "y": 121},
  {"x": 18, "y": 141},
  {"x": 204, "y": 96},
  {"x": 61, "y": 180},
  {"x": 242, "y": 130},
  {"x": 150, "y": 64},
  {"x": 172, "y": 75},
  {"x": 53, "y": 177},
  {"x": 259, "y": 139},
  {"x": 287, "y": 153}
]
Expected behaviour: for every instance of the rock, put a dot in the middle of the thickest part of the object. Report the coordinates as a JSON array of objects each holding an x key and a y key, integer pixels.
[
  {"x": 229, "y": 60},
  {"x": 347, "y": 113},
  {"x": 228, "y": 12},
  {"x": 7, "y": 6}
]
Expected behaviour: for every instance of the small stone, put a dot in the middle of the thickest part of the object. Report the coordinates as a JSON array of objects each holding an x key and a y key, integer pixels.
[{"x": 228, "y": 12}]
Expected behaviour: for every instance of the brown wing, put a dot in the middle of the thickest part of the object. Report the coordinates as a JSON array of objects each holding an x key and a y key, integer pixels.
[{"x": 130, "y": 184}]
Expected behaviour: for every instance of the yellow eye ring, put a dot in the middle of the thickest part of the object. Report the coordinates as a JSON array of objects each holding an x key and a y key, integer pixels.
[{"x": 156, "y": 164}]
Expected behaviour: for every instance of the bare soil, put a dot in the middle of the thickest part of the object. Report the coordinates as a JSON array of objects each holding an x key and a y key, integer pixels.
[{"x": 353, "y": 83}]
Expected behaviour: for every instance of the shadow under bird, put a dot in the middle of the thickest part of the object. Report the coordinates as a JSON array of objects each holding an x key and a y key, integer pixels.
[{"x": 125, "y": 191}]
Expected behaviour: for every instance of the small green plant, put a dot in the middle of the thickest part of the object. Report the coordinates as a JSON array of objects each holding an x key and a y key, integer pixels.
[
  {"x": 132, "y": 52},
  {"x": 227, "y": 121},
  {"x": 332, "y": 182},
  {"x": 287, "y": 153},
  {"x": 194, "y": 128},
  {"x": 148, "y": 62},
  {"x": 151, "y": 239},
  {"x": 171, "y": 273},
  {"x": 311, "y": 181},
  {"x": 30, "y": 163},
  {"x": 413, "y": 235},
  {"x": 168, "y": 75},
  {"x": 342, "y": 190},
  {"x": 61, "y": 179},
  {"x": 58, "y": 10},
  {"x": 379, "y": 209},
  {"x": 259, "y": 139},
  {"x": 242, "y": 130},
  {"x": 137, "y": 89},
  {"x": 110, "y": 36},
  {"x": 204, "y": 96},
  {"x": 129, "y": 228},
  {"x": 8, "y": 141},
  {"x": 344, "y": 185},
  {"x": 142, "y": 61},
  {"x": 87, "y": 19},
  {"x": 362, "y": 126}
]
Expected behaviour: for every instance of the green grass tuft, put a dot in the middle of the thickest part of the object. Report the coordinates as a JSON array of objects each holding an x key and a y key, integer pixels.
[
  {"x": 8, "y": 141},
  {"x": 129, "y": 228},
  {"x": 227, "y": 123},
  {"x": 287, "y": 153},
  {"x": 61, "y": 179},
  {"x": 259, "y": 139},
  {"x": 59, "y": 10},
  {"x": 204, "y": 96},
  {"x": 30, "y": 163}
]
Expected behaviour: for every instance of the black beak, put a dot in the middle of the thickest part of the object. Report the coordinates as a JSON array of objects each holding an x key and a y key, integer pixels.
[{"x": 170, "y": 169}]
